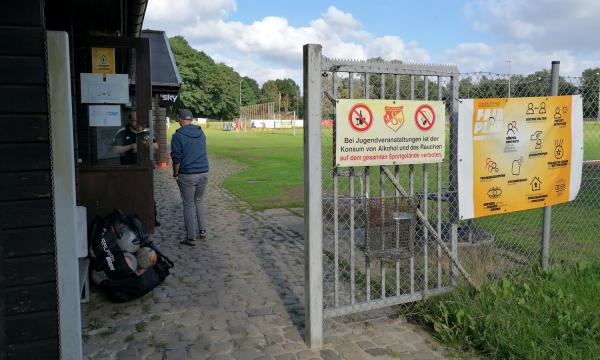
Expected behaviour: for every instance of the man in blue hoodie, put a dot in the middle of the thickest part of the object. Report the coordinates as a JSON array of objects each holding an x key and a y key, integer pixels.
[{"x": 190, "y": 167}]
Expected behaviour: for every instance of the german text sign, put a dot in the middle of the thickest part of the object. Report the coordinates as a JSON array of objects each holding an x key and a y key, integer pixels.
[
  {"x": 104, "y": 88},
  {"x": 518, "y": 153},
  {"x": 389, "y": 132}
]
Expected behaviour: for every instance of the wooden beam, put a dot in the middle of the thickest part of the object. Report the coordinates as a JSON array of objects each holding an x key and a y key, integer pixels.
[
  {"x": 2, "y": 297},
  {"x": 107, "y": 41}
]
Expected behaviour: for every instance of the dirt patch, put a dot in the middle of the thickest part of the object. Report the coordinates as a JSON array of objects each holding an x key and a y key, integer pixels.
[{"x": 294, "y": 193}]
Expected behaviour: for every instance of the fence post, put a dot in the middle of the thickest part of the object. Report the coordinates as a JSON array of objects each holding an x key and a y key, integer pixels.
[
  {"x": 548, "y": 209},
  {"x": 3, "y": 353},
  {"x": 313, "y": 221},
  {"x": 453, "y": 174}
]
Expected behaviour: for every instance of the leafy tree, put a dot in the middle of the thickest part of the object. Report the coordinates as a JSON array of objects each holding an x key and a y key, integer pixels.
[
  {"x": 214, "y": 90},
  {"x": 198, "y": 79},
  {"x": 590, "y": 86},
  {"x": 210, "y": 89},
  {"x": 250, "y": 91},
  {"x": 284, "y": 92}
]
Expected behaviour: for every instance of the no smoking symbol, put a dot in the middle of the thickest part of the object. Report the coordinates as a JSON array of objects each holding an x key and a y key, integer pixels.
[
  {"x": 360, "y": 117},
  {"x": 425, "y": 117}
]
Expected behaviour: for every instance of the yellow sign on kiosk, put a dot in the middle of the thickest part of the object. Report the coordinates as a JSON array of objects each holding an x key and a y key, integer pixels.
[{"x": 103, "y": 60}]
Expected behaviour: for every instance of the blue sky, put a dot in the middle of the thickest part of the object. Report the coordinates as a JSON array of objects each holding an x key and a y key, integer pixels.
[{"x": 263, "y": 39}]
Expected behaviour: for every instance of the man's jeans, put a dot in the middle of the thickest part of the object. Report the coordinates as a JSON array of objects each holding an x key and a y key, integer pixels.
[{"x": 191, "y": 187}]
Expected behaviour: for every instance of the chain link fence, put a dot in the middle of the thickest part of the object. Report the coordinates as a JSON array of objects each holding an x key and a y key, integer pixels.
[
  {"x": 353, "y": 212},
  {"x": 487, "y": 247},
  {"x": 491, "y": 246}
]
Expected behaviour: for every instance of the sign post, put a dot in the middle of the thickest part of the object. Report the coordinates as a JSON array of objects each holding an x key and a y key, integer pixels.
[{"x": 558, "y": 153}]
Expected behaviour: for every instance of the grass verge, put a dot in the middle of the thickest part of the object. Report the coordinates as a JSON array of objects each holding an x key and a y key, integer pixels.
[{"x": 530, "y": 315}]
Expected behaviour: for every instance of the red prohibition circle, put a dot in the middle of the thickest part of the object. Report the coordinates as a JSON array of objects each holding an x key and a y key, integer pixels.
[
  {"x": 358, "y": 120},
  {"x": 424, "y": 121}
]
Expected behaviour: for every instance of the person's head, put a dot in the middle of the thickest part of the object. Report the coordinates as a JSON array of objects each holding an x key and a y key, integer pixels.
[
  {"x": 185, "y": 117},
  {"x": 133, "y": 121}
]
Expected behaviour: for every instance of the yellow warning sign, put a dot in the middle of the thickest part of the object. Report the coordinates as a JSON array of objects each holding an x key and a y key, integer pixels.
[
  {"x": 388, "y": 132},
  {"x": 103, "y": 60},
  {"x": 519, "y": 153}
]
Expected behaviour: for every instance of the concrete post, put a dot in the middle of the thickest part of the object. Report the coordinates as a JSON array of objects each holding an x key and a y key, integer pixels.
[{"x": 313, "y": 221}]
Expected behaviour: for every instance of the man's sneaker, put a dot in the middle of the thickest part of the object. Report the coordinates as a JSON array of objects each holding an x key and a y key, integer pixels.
[
  {"x": 189, "y": 242},
  {"x": 202, "y": 235}
]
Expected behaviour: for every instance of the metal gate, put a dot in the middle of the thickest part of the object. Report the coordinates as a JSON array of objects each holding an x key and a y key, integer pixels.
[{"x": 345, "y": 271}]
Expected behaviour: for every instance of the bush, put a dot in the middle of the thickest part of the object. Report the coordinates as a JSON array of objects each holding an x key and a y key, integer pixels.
[{"x": 531, "y": 315}]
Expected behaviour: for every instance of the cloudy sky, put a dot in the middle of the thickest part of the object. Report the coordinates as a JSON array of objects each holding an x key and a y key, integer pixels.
[{"x": 263, "y": 38}]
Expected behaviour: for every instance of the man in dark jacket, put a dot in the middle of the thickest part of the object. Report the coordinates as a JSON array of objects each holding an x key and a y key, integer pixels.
[
  {"x": 124, "y": 142},
  {"x": 190, "y": 167}
]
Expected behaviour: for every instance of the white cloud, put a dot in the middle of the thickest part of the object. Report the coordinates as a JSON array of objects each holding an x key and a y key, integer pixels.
[
  {"x": 271, "y": 46},
  {"x": 394, "y": 48},
  {"x": 182, "y": 11},
  {"x": 274, "y": 39},
  {"x": 471, "y": 56},
  {"x": 260, "y": 72},
  {"x": 340, "y": 19},
  {"x": 524, "y": 58},
  {"x": 546, "y": 25}
]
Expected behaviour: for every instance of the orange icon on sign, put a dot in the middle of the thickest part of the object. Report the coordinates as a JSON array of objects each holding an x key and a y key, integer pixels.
[{"x": 394, "y": 117}]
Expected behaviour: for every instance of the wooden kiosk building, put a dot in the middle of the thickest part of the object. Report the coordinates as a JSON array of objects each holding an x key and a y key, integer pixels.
[{"x": 70, "y": 73}]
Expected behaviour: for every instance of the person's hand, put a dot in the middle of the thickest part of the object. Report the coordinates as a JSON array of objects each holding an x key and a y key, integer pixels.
[{"x": 133, "y": 147}]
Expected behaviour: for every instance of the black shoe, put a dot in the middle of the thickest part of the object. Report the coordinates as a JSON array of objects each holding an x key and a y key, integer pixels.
[
  {"x": 156, "y": 223},
  {"x": 189, "y": 242},
  {"x": 202, "y": 235}
]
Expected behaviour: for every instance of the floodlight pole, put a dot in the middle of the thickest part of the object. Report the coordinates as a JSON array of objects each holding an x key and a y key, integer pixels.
[
  {"x": 296, "y": 113},
  {"x": 598, "y": 114},
  {"x": 548, "y": 209},
  {"x": 509, "y": 61},
  {"x": 241, "y": 101}
]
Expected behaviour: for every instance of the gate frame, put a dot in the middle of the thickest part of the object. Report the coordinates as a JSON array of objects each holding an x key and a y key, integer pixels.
[
  {"x": 314, "y": 66},
  {"x": 313, "y": 222}
]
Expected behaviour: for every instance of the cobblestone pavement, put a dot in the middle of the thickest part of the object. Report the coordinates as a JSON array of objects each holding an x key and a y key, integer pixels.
[{"x": 238, "y": 295}]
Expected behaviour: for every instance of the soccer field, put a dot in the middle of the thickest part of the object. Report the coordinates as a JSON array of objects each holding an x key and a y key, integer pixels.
[{"x": 274, "y": 161}]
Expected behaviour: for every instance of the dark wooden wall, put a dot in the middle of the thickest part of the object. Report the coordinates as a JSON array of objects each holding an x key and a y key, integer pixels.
[{"x": 29, "y": 305}]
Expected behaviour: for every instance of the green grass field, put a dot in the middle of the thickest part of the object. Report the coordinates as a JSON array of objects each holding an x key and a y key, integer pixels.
[
  {"x": 274, "y": 174},
  {"x": 273, "y": 177}
]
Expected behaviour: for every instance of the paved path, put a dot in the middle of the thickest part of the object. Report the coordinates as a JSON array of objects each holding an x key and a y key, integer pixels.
[{"x": 239, "y": 295}]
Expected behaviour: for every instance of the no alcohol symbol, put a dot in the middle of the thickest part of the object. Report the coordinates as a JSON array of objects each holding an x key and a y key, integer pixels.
[{"x": 360, "y": 117}]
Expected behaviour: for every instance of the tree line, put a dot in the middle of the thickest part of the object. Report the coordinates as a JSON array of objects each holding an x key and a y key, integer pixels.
[
  {"x": 212, "y": 89},
  {"x": 471, "y": 85},
  {"x": 216, "y": 91}
]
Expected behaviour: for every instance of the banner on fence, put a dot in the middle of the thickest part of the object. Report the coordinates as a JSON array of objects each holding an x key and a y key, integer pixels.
[
  {"x": 389, "y": 132},
  {"x": 518, "y": 153}
]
